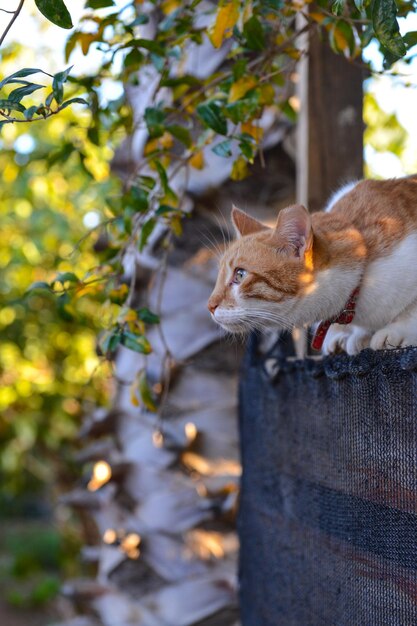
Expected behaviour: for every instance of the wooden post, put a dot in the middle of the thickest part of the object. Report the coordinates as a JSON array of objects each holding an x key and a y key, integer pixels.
[{"x": 330, "y": 131}]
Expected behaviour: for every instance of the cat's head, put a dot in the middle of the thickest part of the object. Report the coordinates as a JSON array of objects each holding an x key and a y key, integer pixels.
[{"x": 264, "y": 272}]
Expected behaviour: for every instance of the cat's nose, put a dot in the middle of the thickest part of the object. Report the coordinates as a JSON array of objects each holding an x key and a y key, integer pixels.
[{"x": 212, "y": 306}]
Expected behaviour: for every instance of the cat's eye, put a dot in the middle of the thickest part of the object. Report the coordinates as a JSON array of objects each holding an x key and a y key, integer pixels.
[{"x": 239, "y": 275}]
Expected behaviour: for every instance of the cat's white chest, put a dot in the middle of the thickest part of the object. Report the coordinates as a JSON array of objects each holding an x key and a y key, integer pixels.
[{"x": 389, "y": 286}]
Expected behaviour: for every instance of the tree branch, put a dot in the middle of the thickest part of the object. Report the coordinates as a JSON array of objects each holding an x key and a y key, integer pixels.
[{"x": 10, "y": 24}]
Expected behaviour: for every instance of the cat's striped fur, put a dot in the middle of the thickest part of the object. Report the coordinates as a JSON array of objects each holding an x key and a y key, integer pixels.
[{"x": 303, "y": 270}]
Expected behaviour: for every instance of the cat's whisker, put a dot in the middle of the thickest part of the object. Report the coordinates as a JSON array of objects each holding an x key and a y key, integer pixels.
[
  {"x": 211, "y": 244},
  {"x": 225, "y": 235},
  {"x": 263, "y": 316}
]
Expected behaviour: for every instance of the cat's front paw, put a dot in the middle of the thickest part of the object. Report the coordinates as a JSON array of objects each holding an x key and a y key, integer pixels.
[
  {"x": 335, "y": 340},
  {"x": 351, "y": 339},
  {"x": 394, "y": 336},
  {"x": 358, "y": 340}
]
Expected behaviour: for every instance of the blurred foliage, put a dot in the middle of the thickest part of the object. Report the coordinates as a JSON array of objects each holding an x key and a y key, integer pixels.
[
  {"x": 68, "y": 224},
  {"x": 47, "y": 353},
  {"x": 50, "y": 375},
  {"x": 383, "y": 131},
  {"x": 35, "y": 559},
  {"x": 143, "y": 43},
  {"x": 59, "y": 293}
]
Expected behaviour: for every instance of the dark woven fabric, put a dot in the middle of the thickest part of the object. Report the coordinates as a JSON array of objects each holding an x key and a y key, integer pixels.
[{"x": 328, "y": 514}]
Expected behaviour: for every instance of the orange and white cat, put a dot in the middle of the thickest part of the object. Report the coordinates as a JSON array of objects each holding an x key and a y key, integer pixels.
[{"x": 306, "y": 268}]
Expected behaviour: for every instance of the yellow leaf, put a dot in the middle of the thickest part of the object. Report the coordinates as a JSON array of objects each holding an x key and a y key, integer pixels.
[
  {"x": 136, "y": 326},
  {"x": 86, "y": 39},
  {"x": 176, "y": 225},
  {"x": 241, "y": 87},
  {"x": 226, "y": 17},
  {"x": 300, "y": 4},
  {"x": 151, "y": 146},
  {"x": 239, "y": 169},
  {"x": 248, "y": 12},
  {"x": 170, "y": 199},
  {"x": 146, "y": 395},
  {"x": 267, "y": 94},
  {"x": 170, "y": 5},
  {"x": 133, "y": 397},
  {"x": 340, "y": 40},
  {"x": 83, "y": 290},
  {"x": 293, "y": 53},
  {"x": 131, "y": 316},
  {"x": 197, "y": 161},
  {"x": 166, "y": 141},
  {"x": 317, "y": 17},
  {"x": 254, "y": 131},
  {"x": 120, "y": 293}
]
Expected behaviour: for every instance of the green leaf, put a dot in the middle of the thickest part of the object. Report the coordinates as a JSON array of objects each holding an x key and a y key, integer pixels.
[
  {"x": 30, "y": 112},
  {"x": 244, "y": 109},
  {"x": 148, "y": 44},
  {"x": 223, "y": 149},
  {"x": 289, "y": 111},
  {"x": 145, "y": 392},
  {"x": 247, "y": 146},
  {"x": 274, "y": 4},
  {"x": 180, "y": 133},
  {"x": 64, "y": 311},
  {"x": 17, "y": 94},
  {"x": 140, "y": 19},
  {"x": 137, "y": 343},
  {"x": 57, "y": 84},
  {"x": 39, "y": 284},
  {"x": 61, "y": 155},
  {"x": 337, "y": 7},
  {"x": 27, "y": 71},
  {"x": 109, "y": 341},
  {"x": 62, "y": 76},
  {"x": 56, "y": 12},
  {"x": 133, "y": 58},
  {"x": 158, "y": 61},
  {"x": 154, "y": 118},
  {"x": 139, "y": 199},
  {"x": 213, "y": 117},
  {"x": 163, "y": 176},
  {"x": 67, "y": 103},
  {"x": 239, "y": 69},
  {"x": 147, "y": 182},
  {"x": 66, "y": 277},
  {"x": 99, "y": 4},
  {"x": 145, "y": 232},
  {"x": 187, "y": 79},
  {"x": 342, "y": 38},
  {"x": 366, "y": 35},
  {"x": 93, "y": 134},
  {"x": 147, "y": 316},
  {"x": 164, "y": 209},
  {"x": 9, "y": 104},
  {"x": 410, "y": 38},
  {"x": 254, "y": 34},
  {"x": 387, "y": 31}
]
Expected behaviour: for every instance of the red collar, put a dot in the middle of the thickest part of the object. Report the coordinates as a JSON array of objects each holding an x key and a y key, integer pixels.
[{"x": 345, "y": 317}]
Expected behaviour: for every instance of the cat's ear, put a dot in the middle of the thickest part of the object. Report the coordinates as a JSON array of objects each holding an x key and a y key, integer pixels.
[
  {"x": 293, "y": 228},
  {"x": 244, "y": 224}
]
